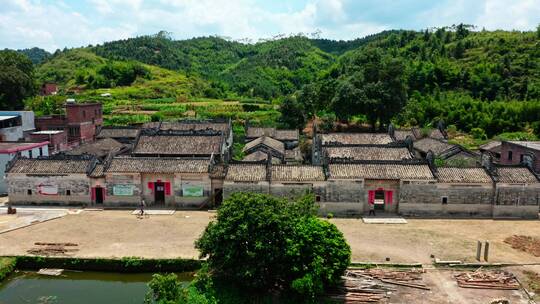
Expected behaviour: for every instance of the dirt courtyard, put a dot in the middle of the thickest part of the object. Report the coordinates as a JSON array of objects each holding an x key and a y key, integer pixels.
[{"x": 119, "y": 233}]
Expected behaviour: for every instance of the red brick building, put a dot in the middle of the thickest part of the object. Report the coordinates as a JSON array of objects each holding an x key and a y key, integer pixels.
[
  {"x": 516, "y": 152},
  {"x": 81, "y": 122},
  {"x": 49, "y": 89},
  {"x": 57, "y": 139}
]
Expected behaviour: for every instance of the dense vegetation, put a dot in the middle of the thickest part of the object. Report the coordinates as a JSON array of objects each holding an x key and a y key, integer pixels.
[
  {"x": 16, "y": 79},
  {"x": 487, "y": 80},
  {"x": 263, "y": 245},
  {"x": 35, "y": 54}
]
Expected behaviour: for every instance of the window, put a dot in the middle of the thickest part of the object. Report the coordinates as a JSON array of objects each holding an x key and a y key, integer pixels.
[
  {"x": 509, "y": 155},
  {"x": 29, "y": 191},
  {"x": 40, "y": 151},
  {"x": 84, "y": 114},
  {"x": 444, "y": 200},
  {"x": 68, "y": 192},
  {"x": 317, "y": 198},
  {"x": 521, "y": 158}
]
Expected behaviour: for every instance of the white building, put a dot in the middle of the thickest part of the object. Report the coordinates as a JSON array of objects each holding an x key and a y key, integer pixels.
[{"x": 8, "y": 150}]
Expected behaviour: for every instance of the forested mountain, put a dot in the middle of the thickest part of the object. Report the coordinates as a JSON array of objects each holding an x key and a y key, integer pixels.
[
  {"x": 487, "y": 80},
  {"x": 35, "y": 54}
]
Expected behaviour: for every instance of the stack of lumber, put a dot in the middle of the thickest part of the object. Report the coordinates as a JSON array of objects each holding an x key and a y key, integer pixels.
[
  {"x": 357, "y": 289},
  {"x": 47, "y": 249},
  {"x": 487, "y": 280},
  {"x": 409, "y": 278}
]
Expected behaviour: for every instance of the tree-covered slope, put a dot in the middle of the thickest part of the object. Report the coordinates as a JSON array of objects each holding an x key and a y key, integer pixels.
[
  {"x": 467, "y": 78},
  {"x": 35, "y": 54}
]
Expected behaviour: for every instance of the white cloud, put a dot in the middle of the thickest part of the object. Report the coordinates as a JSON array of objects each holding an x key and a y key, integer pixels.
[{"x": 51, "y": 25}]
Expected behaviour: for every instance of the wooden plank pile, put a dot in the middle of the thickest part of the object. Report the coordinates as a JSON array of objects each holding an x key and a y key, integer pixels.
[
  {"x": 409, "y": 278},
  {"x": 495, "y": 279},
  {"x": 374, "y": 285},
  {"x": 48, "y": 249}
]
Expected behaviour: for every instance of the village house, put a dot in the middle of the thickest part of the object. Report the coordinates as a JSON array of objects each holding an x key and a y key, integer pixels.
[
  {"x": 15, "y": 125},
  {"x": 264, "y": 146},
  {"x": 10, "y": 150},
  {"x": 451, "y": 154},
  {"x": 217, "y": 125},
  {"x": 100, "y": 148},
  {"x": 124, "y": 135},
  {"x": 81, "y": 122},
  {"x": 288, "y": 137},
  {"x": 181, "y": 143},
  {"x": 58, "y": 180},
  {"x": 516, "y": 152},
  {"x": 57, "y": 139}
]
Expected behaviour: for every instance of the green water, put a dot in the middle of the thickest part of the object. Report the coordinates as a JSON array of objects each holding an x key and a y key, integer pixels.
[{"x": 76, "y": 287}]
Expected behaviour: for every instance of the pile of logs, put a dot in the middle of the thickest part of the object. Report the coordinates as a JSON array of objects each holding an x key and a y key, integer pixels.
[
  {"x": 48, "y": 249},
  {"x": 496, "y": 279},
  {"x": 409, "y": 278},
  {"x": 374, "y": 285}
]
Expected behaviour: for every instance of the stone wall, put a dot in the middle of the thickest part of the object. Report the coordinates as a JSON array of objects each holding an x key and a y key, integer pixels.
[
  {"x": 426, "y": 200},
  {"x": 72, "y": 189},
  {"x": 517, "y": 201},
  {"x": 230, "y": 187},
  {"x": 124, "y": 179},
  {"x": 343, "y": 198}
]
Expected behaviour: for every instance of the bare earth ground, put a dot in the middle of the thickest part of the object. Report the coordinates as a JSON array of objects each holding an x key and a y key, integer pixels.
[
  {"x": 445, "y": 239},
  {"x": 119, "y": 234}
]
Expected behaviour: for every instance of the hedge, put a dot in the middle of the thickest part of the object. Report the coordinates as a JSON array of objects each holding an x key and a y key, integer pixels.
[
  {"x": 125, "y": 265},
  {"x": 7, "y": 265}
]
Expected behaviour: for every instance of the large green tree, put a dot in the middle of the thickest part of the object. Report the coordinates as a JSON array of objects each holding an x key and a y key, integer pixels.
[
  {"x": 268, "y": 243},
  {"x": 376, "y": 87},
  {"x": 16, "y": 79}
]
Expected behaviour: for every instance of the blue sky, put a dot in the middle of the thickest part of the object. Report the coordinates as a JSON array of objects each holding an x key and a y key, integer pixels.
[{"x": 70, "y": 23}]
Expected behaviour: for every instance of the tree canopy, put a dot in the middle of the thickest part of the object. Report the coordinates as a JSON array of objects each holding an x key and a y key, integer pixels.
[
  {"x": 268, "y": 243},
  {"x": 16, "y": 79}
]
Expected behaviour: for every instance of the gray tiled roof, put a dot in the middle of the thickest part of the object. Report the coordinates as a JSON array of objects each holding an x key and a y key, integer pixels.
[
  {"x": 437, "y": 146},
  {"x": 117, "y": 133},
  {"x": 288, "y": 134},
  {"x": 98, "y": 171},
  {"x": 491, "y": 146},
  {"x": 178, "y": 145},
  {"x": 402, "y": 134},
  {"x": 513, "y": 175},
  {"x": 50, "y": 166},
  {"x": 535, "y": 145},
  {"x": 463, "y": 175},
  {"x": 295, "y": 173},
  {"x": 100, "y": 147},
  {"x": 157, "y": 165},
  {"x": 356, "y": 138},
  {"x": 195, "y": 126},
  {"x": 267, "y": 141},
  {"x": 246, "y": 172},
  {"x": 368, "y": 153},
  {"x": 256, "y": 156},
  {"x": 380, "y": 171}
]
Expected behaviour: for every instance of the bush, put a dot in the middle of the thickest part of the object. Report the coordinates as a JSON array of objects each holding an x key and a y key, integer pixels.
[
  {"x": 164, "y": 289},
  {"x": 478, "y": 133},
  {"x": 263, "y": 242}
]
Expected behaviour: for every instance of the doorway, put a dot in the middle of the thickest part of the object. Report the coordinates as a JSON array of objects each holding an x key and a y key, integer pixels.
[
  {"x": 218, "y": 197},
  {"x": 159, "y": 193},
  {"x": 99, "y": 195},
  {"x": 379, "y": 200}
]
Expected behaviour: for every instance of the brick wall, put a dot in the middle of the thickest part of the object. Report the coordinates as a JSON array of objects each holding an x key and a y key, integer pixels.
[
  {"x": 72, "y": 189},
  {"x": 517, "y": 151}
]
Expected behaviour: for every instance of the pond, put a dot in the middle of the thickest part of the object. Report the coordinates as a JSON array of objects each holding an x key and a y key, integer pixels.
[{"x": 77, "y": 287}]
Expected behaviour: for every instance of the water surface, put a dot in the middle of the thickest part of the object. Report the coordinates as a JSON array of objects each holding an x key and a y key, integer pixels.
[{"x": 77, "y": 287}]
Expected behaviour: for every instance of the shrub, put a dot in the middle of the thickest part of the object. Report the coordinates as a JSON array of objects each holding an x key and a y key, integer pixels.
[
  {"x": 478, "y": 133},
  {"x": 264, "y": 242}
]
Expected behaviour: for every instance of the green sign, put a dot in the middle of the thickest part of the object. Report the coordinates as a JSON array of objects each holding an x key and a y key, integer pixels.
[
  {"x": 192, "y": 191},
  {"x": 124, "y": 190}
]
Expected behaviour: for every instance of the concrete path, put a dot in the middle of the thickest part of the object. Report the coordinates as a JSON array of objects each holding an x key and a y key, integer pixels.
[{"x": 384, "y": 220}]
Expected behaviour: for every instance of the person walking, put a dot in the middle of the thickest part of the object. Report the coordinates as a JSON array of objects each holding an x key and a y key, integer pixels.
[
  {"x": 372, "y": 209},
  {"x": 142, "y": 205}
]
